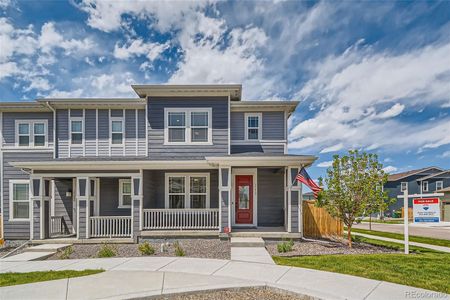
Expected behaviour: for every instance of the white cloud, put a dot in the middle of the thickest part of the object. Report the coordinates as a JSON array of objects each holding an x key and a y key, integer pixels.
[
  {"x": 390, "y": 169},
  {"x": 138, "y": 47},
  {"x": 325, "y": 164},
  {"x": 8, "y": 69},
  {"x": 394, "y": 111},
  {"x": 5, "y": 3},
  {"x": 39, "y": 83},
  {"x": 333, "y": 148},
  {"x": 446, "y": 154},
  {"x": 51, "y": 39}
]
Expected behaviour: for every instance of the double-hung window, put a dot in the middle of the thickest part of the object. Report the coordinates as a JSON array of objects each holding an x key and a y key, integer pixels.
[
  {"x": 404, "y": 186},
  {"x": 76, "y": 130},
  {"x": 124, "y": 193},
  {"x": 117, "y": 130},
  {"x": 19, "y": 196},
  {"x": 188, "y": 126},
  {"x": 187, "y": 190},
  {"x": 31, "y": 133},
  {"x": 424, "y": 186},
  {"x": 439, "y": 185},
  {"x": 253, "y": 126}
]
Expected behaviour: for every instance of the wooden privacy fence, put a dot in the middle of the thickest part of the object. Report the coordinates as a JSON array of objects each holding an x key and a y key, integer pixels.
[
  {"x": 318, "y": 223},
  {"x": 410, "y": 213}
]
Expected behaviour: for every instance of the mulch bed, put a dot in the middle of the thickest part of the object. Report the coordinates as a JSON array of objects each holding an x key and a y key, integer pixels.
[
  {"x": 201, "y": 248},
  {"x": 323, "y": 247}
]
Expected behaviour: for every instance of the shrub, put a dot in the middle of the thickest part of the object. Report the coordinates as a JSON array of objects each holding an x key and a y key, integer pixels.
[
  {"x": 146, "y": 249},
  {"x": 66, "y": 253},
  {"x": 178, "y": 249},
  {"x": 106, "y": 251},
  {"x": 285, "y": 246}
]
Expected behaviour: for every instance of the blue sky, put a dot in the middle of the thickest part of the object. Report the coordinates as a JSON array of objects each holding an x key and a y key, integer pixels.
[{"x": 373, "y": 76}]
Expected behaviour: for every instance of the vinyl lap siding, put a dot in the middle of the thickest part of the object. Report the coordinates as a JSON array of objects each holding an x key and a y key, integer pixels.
[
  {"x": 109, "y": 198},
  {"x": 156, "y": 146},
  {"x": 62, "y": 132},
  {"x": 142, "y": 143},
  {"x": 90, "y": 122},
  {"x": 63, "y": 204},
  {"x": 103, "y": 132},
  {"x": 270, "y": 197},
  {"x": 270, "y": 148},
  {"x": 272, "y": 125},
  {"x": 130, "y": 133}
]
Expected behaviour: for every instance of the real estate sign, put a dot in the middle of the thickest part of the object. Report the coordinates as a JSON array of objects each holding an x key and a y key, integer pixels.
[{"x": 426, "y": 210}]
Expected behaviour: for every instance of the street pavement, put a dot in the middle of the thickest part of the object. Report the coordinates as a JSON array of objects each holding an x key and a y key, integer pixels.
[
  {"x": 438, "y": 232},
  {"x": 127, "y": 278}
]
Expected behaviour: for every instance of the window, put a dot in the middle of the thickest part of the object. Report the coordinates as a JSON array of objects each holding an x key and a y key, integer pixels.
[
  {"x": 188, "y": 126},
  {"x": 424, "y": 186},
  {"x": 31, "y": 133},
  {"x": 404, "y": 186},
  {"x": 19, "y": 200},
  {"x": 117, "y": 129},
  {"x": 439, "y": 185},
  {"x": 187, "y": 191},
  {"x": 76, "y": 131},
  {"x": 253, "y": 126},
  {"x": 124, "y": 193}
]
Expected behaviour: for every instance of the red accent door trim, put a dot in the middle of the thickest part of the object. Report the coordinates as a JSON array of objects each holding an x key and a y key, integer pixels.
[{"x": 244, "y": 210}]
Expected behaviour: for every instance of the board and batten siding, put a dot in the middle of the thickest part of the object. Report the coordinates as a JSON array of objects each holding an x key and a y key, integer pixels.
[
  {"x": 63, "y": 204},
  {"x": 17, "y": 229},
  {"x": 156, "y": 147},
  {"x": 9, "y": 125},
  {"x": 97, "y": 133}
]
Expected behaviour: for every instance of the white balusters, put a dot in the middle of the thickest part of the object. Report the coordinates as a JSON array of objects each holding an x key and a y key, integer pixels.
[{"x": 181, "y": 219}]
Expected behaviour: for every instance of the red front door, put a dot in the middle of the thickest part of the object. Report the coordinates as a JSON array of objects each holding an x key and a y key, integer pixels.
[{"x": 244, "y": 199}]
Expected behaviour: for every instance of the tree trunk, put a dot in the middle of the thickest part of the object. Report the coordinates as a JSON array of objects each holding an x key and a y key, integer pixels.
[
  {"x": 349, "y": 237},
  {"x": 370, "y": 222}
]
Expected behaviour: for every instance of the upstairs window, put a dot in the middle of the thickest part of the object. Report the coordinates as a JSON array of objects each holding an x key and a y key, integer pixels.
[
  {"x": 188, "y": 126},
  {"x": 76, "y": 131},
  {"x": 439, "y": 185},
  {"x": 24, "y": 135},
  {"x": 253, "y": 126},
  {"x": 117, "y": 130},
  {"x": 39, "y": 134},
  {"x": 404, "y": 186},
  {"x": 424, "y": 186},
  {"x": 31, "y": 133}
]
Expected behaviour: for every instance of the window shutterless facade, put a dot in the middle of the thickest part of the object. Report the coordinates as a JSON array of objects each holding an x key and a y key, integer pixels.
[
  {"x": 76, "y": 130},
  {"x": 404, "y": 186},
  {"x": 188, "y": 126},
  {"x": 19, "y": 200},
  {"x": 31, "y": 133},
  {"x": 124, "y": 193},
  {"x": 424, "y": 186},
  {"x": 187, "y": 190},
  {"x": 439, "y": 185},
  {"x": 117, "y": 130},
  {"x": 253, "y": 126}
]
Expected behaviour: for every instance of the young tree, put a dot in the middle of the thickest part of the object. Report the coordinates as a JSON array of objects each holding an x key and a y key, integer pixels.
[{"x": 353, "y": 188}]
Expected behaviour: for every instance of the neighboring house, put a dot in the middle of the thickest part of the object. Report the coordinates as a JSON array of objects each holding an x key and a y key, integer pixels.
[
  {"x": 179, "y": 157},
  {"x": 420, "y": 181}
]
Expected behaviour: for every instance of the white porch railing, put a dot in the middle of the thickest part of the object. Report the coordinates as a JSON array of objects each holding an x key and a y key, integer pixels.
[
  {"x": 181, "y": 218},
  {"x": 110, "y": 226}
]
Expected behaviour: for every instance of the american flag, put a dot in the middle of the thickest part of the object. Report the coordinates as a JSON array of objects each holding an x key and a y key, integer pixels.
[{"x": 303, "y": 177}]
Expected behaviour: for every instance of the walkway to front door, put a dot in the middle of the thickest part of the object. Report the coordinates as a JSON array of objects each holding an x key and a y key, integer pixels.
[{"x": 244, "y": 199}]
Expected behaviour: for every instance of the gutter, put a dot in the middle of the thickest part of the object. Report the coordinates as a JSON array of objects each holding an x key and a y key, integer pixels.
[{"x": 54, "y": 127}]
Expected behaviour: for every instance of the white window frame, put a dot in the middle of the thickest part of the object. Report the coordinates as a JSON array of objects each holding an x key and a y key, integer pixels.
[
  {"x": 31, "y": 134},
  {"x": 187, "y": 189},
  {"x": 441, "y": 184},
  {"x": 425, "y": 183},
  {"x": 121, "y": 194},
  {"x": 82, "y": 130},
  {"x": 111, "y": 120},
  {"x": 401, "y": 186},
  {"x": 259, "y": 115},
  {"x": 187, "y": 128},
  {"x": 11, "y": 200}
]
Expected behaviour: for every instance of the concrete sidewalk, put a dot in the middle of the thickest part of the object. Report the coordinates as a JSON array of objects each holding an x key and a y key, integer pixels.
[
  {"x": 127, "y": 278},
  {"x": 428, "y": 246}
]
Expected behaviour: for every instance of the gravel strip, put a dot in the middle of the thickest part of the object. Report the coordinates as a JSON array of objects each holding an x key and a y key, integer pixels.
[
  {"x": 201, "y": 248},
  {"x": 237, "y": 294},
  {"x": 326, "y": 247}
]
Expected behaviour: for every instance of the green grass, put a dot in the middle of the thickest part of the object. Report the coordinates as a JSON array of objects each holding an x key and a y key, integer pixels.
[
  {"x": 22, "y": 278},
  {"x": 399, "y": 236},
  {"x": 428, "y": 270},
  {"x": 392, "y": 245},
  {"x": 384, "y": 221}
]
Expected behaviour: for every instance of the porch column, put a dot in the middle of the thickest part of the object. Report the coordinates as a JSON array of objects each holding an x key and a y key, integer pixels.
[
  {"x": 293, "y": 194},
  {"x": 136, "y": 205},
  {"x": 83, "y": 207},
  {"x": 225, "y": 199},
  {"x": 37, "y": 208}
]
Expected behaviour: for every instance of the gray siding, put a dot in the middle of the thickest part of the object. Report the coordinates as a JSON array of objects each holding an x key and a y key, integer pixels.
[
  {"x": 130, "y": 133},
  {"x": 156, "y": 146},
  {"x": 276, "y": 149},
  {"x": 294, "y": 211},
  {"x": 103, "y": 132},
  {"x": 237, "y": 126},
  {"x": 62, "y": 132},
  {"x": 63, "y": 204},
  {"x": 14, "y": 229},
  {"x": 270, "y": 197},
  {"x": 9, "y": 124},
  {"x": 90, "y": 123},
  {"x": 109, "y": 198},
  {"x": 273, "y": 123},
  {"x": 142, "y": 143}
]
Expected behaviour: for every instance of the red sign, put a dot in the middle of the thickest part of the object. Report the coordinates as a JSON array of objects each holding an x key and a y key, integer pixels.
[{"x": 426, "y": 201}]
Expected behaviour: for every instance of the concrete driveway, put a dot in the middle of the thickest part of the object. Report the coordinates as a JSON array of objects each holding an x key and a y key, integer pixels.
[{"x": 438, "y": 232}]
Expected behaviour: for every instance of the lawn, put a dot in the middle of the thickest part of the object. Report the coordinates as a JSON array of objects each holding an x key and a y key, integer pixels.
[
  {"x": 428, "y": 270},
  {"x": 22, "y": 278},
  {"x": 391, "y": 245},
  {"x": 399, "y": 236},
  {"x": 384, "y": 221}
]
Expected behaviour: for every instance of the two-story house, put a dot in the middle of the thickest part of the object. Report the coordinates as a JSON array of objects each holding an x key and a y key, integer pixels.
[
  {"x": 421, "y": 181},
  {"x": 177, "y": 157}
]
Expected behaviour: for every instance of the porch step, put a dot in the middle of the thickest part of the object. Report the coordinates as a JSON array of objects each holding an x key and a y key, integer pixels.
[
  {"x": 48, "y": 248},
  {"x": 247, "y": 242}
]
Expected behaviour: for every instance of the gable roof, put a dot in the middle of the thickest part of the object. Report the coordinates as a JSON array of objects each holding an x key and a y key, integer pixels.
[
  {"x": 434, "y": 175},
  {"x": 398, "y": 176}
]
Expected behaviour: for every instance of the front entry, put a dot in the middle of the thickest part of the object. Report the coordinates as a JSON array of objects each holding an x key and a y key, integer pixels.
[{"x": 244, "y": 199}]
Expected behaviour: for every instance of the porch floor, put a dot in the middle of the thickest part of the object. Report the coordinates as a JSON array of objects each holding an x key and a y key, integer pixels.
[
  {"x": 178, "y": 233},
  {"x": 84, "y": 241},
  {"x": 265, "y": 232}
]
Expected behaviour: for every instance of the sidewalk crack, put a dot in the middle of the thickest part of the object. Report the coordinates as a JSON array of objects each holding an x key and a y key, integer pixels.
[
  {"x": 120, "y": 264},
  {"x": 67, "y": 289},
  {"x": 220, "y": 268},
  {"x": 374, "y": 288},
  {"x": 167, "y": 264},
  {"x": 282, "y": 275},
  {"x": 162, "y": 286}
]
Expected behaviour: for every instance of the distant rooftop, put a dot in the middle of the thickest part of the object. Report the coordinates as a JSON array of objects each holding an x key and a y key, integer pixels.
[{"x": 397, "y": 176}]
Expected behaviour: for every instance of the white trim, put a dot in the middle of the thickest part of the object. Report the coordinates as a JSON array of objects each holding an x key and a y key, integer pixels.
[
  {"x": 286, "y": 117},
  {"x": 441, "y": 184},
  {"x": 1, "y": 178},
  {"x": 121, "y": 194},
  {"x": 65, "y": 175},
  {"x": 258, "y": 142},
  {"x": 187, "y": 125},
  {"x": 96, "y": 132},
  {"x": 244, "y": 171},
  {"x": 11, "y": 195},
  {"x": 31, "y": 134},
  {"x": 187, "y": 191},
  {"x": 146, "y": 127},
  {"x": 27, "y": 149},
  {"x": 229, "y": 126},
  {"x": 76, "y": 119},
  {"x": 425, "y": 184},
  {"x": 116, "y": 119},
  {"x": 136, "y": 131},
  {"x": 259, "y": 116},
  {"x": 401, "y": 186}
]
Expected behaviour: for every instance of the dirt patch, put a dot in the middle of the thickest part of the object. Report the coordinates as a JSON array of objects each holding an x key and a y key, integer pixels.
[
  {"x": 201, "y": 248},
  {"x": 326, "y": 247}
]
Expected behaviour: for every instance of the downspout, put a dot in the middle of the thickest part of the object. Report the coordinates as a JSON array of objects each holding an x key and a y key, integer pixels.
[{"x": 54, "y": 127}]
